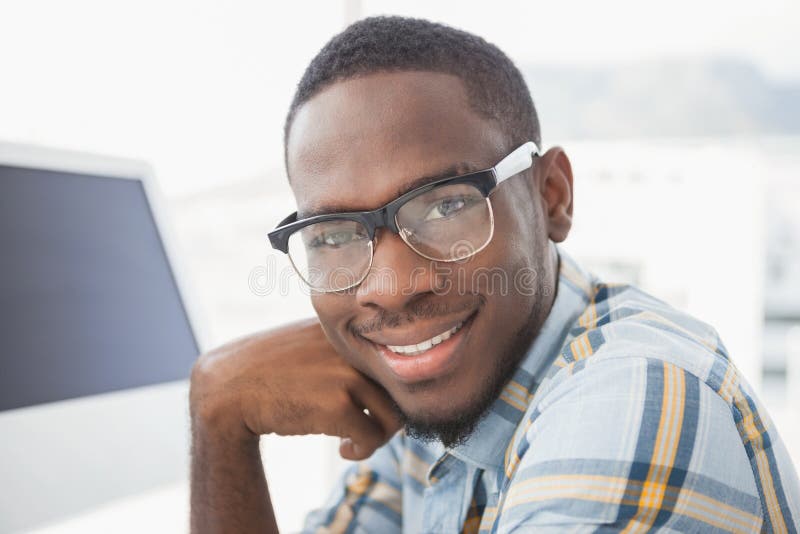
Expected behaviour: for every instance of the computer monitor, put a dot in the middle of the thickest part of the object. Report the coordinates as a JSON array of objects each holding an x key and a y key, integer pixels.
[{"x": 96, "y": 335}]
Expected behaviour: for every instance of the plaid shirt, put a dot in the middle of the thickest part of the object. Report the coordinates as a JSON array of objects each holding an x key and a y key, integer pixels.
[{"x": 625, "y": 415}]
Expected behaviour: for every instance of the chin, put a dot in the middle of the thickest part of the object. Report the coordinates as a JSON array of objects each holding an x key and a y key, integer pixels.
[
  {"x": 439, "y": 414},
  {"x": 435, "y": 413},
  {"x": 435, "y": 400},
  {"x": 451, "y": 427}
]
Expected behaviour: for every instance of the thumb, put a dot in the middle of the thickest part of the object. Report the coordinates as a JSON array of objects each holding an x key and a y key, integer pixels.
[{"x": 350, "y": 450}]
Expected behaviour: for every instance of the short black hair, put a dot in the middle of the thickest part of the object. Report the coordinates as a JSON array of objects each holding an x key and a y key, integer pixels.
[{"x": 495, "y": 86}]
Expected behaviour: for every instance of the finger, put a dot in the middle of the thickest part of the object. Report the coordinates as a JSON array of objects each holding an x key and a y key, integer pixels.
[
  {"x": 374, "y": 398},
  {"x": 363, "y": 434},
  {"x": 350, "y": 451}
]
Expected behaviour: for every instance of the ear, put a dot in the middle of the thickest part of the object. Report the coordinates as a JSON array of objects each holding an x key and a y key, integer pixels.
[{"x": 554, "y": 175}]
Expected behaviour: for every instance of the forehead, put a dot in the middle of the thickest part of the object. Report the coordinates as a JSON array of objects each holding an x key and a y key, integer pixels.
[{"x": 360, "y": 141}]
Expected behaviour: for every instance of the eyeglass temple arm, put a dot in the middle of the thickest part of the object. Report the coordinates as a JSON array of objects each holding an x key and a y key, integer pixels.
[{"x": 516, "y": 162}]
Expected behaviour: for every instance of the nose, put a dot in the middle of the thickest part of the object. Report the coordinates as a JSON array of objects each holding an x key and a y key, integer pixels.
[{"x": 398, "y": 275}]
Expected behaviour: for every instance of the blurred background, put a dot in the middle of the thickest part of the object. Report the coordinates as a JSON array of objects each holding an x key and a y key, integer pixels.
[{"x": 682, "y": 121}]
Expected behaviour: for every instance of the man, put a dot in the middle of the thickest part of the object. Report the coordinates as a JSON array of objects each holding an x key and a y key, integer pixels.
[{"x": 481, "y": 379}]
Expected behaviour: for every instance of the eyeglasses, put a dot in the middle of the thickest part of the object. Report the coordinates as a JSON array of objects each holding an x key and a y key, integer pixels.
[{"x": 446, "y": 220}]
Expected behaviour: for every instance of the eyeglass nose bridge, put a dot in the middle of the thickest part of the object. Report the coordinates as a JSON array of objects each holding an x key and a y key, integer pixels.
[
  {"x": 386, "y": 217},
  {"x": 381, "y": 218}
]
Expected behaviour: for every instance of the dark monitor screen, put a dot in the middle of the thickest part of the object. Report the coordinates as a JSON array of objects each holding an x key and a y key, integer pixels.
[{"x": 88, "y": 300}]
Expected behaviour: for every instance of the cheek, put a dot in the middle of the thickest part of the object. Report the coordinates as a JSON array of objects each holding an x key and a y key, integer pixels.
[
  {"x": 506, "y": 273},
  {"x": 332, "y": 311},
  {"x": 520, "y": 227},
  {"x": 515, "y": 228}
]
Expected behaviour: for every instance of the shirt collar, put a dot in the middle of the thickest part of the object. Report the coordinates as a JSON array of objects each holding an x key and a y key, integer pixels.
[{"x": 487, "y": 444}]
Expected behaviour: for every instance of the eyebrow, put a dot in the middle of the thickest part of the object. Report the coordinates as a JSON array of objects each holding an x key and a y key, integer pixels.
[{"x": 452, "y": 171}]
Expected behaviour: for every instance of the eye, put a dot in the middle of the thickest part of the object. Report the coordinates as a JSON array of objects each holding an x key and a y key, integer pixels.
[
  {"x": 446, "y": 207},
  {"x": 337, "y": 239}
]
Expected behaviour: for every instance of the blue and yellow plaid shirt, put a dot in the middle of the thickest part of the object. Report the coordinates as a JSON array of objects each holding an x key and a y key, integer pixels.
[{"x": 625, "y": 415}]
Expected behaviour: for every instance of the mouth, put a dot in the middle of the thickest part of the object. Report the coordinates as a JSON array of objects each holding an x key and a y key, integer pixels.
[
  {"x": 423, "y": 346},
  {"x": 429, "y": 358}
]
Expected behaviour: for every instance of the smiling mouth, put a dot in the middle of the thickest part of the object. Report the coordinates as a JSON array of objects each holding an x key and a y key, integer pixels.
[
  {"x": 428, "y": 359},
  {"x": 422, "y": 346}
]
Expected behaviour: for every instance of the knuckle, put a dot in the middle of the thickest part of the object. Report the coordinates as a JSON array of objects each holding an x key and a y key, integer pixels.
[
  {"x": 348, "y": 379},
  {"x": 342, "y": 404},
  {"x": 201, "y": 375}
]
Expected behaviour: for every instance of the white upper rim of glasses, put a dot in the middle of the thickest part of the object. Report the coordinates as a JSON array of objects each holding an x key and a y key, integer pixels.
[{"x": 516, "y": 162}]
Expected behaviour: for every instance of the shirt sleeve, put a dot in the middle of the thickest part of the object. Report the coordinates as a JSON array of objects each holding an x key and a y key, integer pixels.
[
  {"x": 629, "y": 444},
  {"x": 367, "y": 497}
]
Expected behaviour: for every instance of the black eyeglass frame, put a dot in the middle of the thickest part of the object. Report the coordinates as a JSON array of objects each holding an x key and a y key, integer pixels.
[
  {"x": 484, "y": 181},
  {"x": 383, "y": 217}
]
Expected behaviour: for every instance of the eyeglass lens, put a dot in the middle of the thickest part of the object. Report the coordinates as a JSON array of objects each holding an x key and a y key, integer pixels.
[{"x": 447, "y": 223}]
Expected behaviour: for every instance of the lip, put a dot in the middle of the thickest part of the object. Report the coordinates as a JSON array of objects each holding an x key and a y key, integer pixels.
[
  {"x": 433, "y": 363},
  {"x": 410, "y": 334}
]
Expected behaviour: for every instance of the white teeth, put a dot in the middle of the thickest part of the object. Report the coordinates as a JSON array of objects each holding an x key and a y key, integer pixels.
[{"x": 413, "y": 350}]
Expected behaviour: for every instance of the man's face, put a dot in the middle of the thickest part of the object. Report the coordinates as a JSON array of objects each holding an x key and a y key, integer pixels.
[{"x": 356, "y": 146}]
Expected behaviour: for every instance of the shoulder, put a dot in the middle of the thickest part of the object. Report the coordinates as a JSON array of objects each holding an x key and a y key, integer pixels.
[
  {"x": 641, "y": 399},
  {"x": 635, "y": 365},
  {"x": 623, "y": 438},
  {"x": 627, "y": 351},
  {"x": 624, "y": 320}
]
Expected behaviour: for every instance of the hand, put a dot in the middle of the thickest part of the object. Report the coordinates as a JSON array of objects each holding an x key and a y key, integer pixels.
[{"x": 290, "y": 381}]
